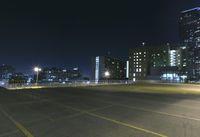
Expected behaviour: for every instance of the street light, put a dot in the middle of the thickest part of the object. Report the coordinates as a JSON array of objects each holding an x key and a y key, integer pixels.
[
  {"x": 107, "y": 75},
  {"x": 37, "y": 70}
]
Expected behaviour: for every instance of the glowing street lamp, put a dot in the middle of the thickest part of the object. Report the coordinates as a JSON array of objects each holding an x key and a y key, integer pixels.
[
  {"x": 37, "y": 70},
  {"x": 107, "y": 75}
]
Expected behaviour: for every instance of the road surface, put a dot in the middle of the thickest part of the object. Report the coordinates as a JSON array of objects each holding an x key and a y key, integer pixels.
[{"x": 81, "y": 112}]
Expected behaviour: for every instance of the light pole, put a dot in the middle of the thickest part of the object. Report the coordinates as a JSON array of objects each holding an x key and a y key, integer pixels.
[
  {"x": 37, "y": 70},
  {"x": 107, "y": 75}
]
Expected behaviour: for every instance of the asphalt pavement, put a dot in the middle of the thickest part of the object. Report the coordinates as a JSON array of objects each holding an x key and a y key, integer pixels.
[{"x": 85, "y": 112}]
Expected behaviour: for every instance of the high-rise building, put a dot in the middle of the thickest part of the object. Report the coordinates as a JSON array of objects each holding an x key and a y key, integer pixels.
[
  {"x": 138, "y": 63},
  {"x": 189, "y": 23},
  {"x": 105, "y": 67},
  {"x": 146, "y": 62}
]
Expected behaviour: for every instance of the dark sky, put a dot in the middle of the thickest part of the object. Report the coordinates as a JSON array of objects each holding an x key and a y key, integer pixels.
[{"x": 68, "y": 34}]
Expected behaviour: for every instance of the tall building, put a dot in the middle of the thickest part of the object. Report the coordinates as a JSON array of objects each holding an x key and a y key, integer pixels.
[
  {"x": 159, "y": 62},
  {"x": 105, "y": 67},
  {"x": 138, "y": 63},
  {"x": 189, "y": 24}
]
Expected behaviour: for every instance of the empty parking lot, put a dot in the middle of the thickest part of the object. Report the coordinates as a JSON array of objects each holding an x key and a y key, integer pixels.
[{"x": 86, "y": 112}]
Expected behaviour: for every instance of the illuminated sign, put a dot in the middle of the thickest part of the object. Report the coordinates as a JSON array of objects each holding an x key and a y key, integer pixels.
[{"x": 97, "y": 70}]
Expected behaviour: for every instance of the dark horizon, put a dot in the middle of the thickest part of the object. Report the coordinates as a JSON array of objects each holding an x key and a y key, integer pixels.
[{"x": 69, "y": 34}]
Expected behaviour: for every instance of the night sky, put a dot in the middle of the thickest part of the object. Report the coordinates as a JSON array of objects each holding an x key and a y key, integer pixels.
[{"x": 68, "y": 34}]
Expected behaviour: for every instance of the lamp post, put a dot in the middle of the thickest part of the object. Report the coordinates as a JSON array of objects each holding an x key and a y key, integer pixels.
[
  {"x": 37, "y": 70},
  {"x": 107, "y": 75}
]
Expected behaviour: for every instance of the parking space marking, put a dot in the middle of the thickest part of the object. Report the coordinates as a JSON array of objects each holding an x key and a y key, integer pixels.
[
  {"x": 116, "y": 121},
  {"x": 24, "y": 103},
  {"x": 83, "y": 112},
  {"x": 152, "y": 111},
  {"x": 144, "y": 109},
  {"x": 148, "y": 110},
  {"x": 107, "y": 119},
  {"x": 147, "y": 101},
  {"x": 9, "y": 133},
  {"x": 126, "y": 125},
  {"x": 17, "y": 124}
]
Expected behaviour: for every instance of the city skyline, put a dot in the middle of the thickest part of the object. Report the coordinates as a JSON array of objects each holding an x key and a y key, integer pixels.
[{"x": 49, "y": 37}]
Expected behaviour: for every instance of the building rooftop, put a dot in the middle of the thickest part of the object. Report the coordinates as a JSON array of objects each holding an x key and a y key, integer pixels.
[{"x": 197, "y": 8}]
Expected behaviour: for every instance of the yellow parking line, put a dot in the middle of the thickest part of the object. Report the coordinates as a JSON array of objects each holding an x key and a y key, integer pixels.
[
  {"x": 109, "y": 119},
  {"x": 17, "y": 124},
  {"x": 114, "y": 121},
  {"x": 126, "y": 125},
  {"x": 23, "y": 129},
  {"x": 82, "y": 113}
]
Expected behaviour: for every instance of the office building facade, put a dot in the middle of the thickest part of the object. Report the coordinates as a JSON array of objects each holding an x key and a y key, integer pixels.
[
  {"x": 189, "y": 23},
  {"x": 159, "y": 62},
  {"x": 60, "y": 74},
  {"x": 108, "y": 68}
]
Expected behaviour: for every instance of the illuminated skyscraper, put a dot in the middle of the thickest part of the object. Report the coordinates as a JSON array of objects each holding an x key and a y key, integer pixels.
[{"x": 189, "y": 23}]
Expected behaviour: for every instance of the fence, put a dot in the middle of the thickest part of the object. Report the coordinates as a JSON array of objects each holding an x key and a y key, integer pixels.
[{"x": 66, "y": 84}]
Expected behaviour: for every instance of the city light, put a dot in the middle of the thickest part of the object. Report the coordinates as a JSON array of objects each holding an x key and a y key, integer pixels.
[
  {"x": 37, "y": 70},
  {"x": 107, "y": 74},
  {"x": 97, "y": 62}
]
